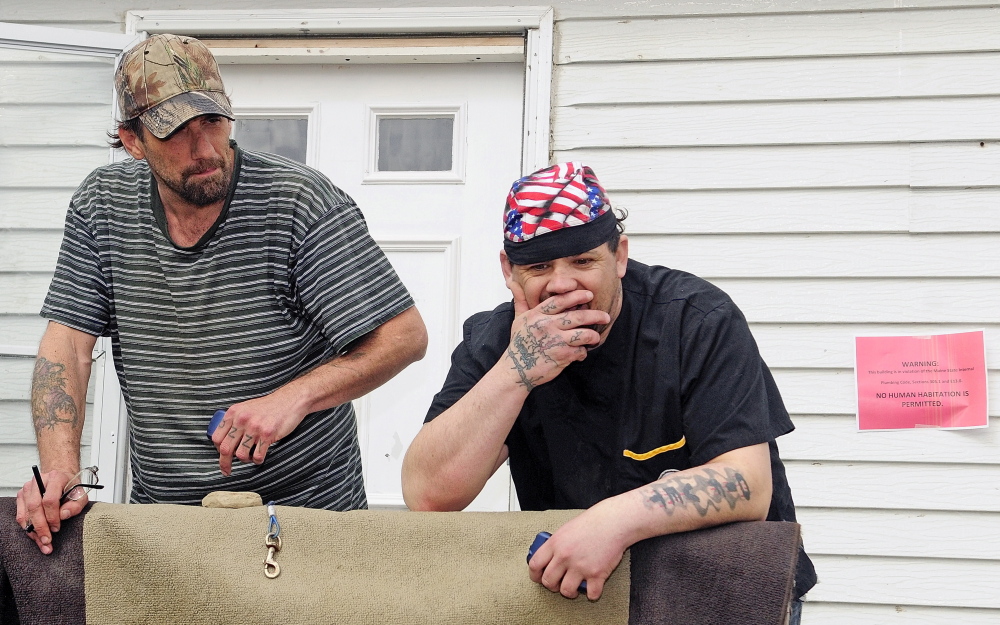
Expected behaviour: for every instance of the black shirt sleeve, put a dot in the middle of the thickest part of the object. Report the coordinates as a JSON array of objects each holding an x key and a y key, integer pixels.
[
  {"x": 484, "y": 337},
  {"x": 729, "y": 398}
]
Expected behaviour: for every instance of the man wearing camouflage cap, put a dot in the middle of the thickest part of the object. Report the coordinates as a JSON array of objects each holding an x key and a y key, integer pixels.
[
  {"x": 228, "y": 280},
  {"x": 634, "y": 391}
]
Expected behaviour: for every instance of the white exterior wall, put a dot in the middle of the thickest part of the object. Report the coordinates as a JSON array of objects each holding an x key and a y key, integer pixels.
[
  {"x": 837, "y": 174},
  {"x": 54, "y": 111},
  {"x": 835, "y": 166}
]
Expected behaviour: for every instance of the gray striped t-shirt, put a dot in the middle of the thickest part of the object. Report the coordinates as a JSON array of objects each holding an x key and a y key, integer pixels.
[{"x": 289, "y": 278}]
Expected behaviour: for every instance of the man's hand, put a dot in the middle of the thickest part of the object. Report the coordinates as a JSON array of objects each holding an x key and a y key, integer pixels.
[
  {"x": 548, "y": 337},
  {"x": 45, "y": 513},
  {"x": 588, "y": 547},
  {"x": 254, "y": 424}
]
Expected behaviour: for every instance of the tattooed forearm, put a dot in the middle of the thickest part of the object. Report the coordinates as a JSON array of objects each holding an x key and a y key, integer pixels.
[
  {"x": 704, "y": 491},
  {"x": 50, "y": 403}
]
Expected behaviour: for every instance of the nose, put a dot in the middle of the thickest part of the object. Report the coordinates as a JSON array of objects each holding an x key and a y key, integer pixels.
[
  {"x": 561, "y": 280},
  {"x": 201, "y": 144}
]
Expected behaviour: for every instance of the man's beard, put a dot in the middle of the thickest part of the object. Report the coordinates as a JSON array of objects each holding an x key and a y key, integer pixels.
[{"x": 205, "y": 192}]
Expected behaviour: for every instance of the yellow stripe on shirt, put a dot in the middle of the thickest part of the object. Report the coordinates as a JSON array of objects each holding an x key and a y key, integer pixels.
[{"x": 655, "y": 452}]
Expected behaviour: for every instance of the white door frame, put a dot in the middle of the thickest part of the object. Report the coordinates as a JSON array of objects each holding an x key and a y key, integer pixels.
[
  {"x": 535, "y": 22},
  {"x": 109, "y": 418}
]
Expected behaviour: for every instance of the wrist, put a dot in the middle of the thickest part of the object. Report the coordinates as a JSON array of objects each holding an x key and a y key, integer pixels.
[{"x": 515, "y": 378}]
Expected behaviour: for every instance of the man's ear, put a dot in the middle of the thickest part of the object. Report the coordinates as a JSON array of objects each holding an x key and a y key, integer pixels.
[
  {"x": 505, "y": 267},
  {"x": 621, "y": 256},
  {"x": 132, "y": 143}
]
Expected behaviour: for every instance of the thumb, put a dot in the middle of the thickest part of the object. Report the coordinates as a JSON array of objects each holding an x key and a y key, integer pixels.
[{"x": 520, "y": 301}]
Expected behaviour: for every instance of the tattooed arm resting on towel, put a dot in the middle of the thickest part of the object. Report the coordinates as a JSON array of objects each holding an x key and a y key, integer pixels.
[
  {"x": 452, "y": 457},
  {"x": 58, "y": 396},
  {"x": 455, "y": 454},
  {"x": 633, "y": 392}
]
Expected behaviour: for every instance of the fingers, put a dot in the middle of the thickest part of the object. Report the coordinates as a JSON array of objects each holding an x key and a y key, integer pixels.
[
  {"x": 235, "y": 437},
  {"x": 40, "y": 515},
  {"x": 564, "y": 301},
  {"x": 520, "y": 301},
  {"x": 595, "y": 586}
]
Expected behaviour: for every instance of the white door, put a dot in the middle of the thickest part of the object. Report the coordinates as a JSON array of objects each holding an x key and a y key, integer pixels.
[{"x": 428, "y": 151}]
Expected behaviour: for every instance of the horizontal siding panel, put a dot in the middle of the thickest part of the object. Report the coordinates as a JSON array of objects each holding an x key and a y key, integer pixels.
[
  {"x": 832, "y": 345},
  {"x": 955, "y": 210},
  {"x": 599, "y": 8},
  {"x": 895, "y": 486},
  {"x": 21, "y": 330},
  {"x": 833, "y": 391},
  {"x": 55, "y": 125},
  {"x": 765, "y": 167},
  {"x": 34, "y": 208},
  {"x": 15, "y": 55},
  {"x": 16, "y": 376},
  {"x": 25, "y": 167},
  {"x": 807, "y": 210},
  {"x": 761, "y": 36},
  {"x": 30, "y": 250},
  {"x": 777, "y": 123},
  {"x": 953, "y": 535},
  {"x": 971, "y": 163},
  {"x": 65, "y": 83},
  {"x": 827, "y": 613},
  {"x": 866, "y": 300},
  {"x": 782, "y": 210},
  {"x": 817, "y": 255},
  {"x": 22, "y": 294},
  {"x": 837, "y": 438},
  {"x": 758, "y": 80},
  {"x": 15, "y": 423},
  {"x": 111, "y": 11},
  {"x": 907, "y": 581},
  {"x": 16, "y": 461}
]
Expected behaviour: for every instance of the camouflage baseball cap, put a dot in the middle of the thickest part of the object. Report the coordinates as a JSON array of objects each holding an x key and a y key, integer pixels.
[{"x": 167, "y": 80}]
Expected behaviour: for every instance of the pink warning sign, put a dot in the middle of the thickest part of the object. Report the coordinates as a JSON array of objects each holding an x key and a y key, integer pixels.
[{"x": 936, "y": 381}]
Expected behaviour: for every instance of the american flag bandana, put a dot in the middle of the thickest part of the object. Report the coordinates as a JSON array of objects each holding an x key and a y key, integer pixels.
[{"x": 557, "y": 197}]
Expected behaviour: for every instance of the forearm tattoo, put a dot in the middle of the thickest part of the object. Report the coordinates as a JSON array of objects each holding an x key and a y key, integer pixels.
[
  {"x": 705, "y": 491},
  {"x": 50, "y": 403},
  {"x": 529, "y": 347}
]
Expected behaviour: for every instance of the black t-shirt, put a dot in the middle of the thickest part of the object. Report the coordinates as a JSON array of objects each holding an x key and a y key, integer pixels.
[{"x": 678, "y": 382}]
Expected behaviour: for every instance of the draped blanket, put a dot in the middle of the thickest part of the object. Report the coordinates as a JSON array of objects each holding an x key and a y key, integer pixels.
[{"x": 180, "y": 564}]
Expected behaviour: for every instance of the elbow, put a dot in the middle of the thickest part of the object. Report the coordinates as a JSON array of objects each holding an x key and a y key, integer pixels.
[
  {"x": 423, "y": 492},
  {"x": 423, "y": 499},
  {"x": 420, "y": 341}
]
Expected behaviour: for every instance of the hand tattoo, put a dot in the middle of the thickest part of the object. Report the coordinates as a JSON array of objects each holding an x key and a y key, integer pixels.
[
  {"x": 246, "y": 441},
  {"x": 705, "y": 491},
  {"x": 50, "y": 403},
  {"x": 530, "y": 346}
]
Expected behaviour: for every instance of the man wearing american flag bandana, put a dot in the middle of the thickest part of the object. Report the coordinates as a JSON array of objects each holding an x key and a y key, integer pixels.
[{"x": 634, "y": 392}]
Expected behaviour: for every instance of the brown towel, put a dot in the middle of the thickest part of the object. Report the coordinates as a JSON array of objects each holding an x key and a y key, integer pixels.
[
  {"x": 738, "y": 574},
  {"x": 182, "y": 564},
  {"x": 43, "y": 590}
]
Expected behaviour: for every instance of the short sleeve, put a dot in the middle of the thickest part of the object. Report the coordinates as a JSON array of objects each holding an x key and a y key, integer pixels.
[
  {"x": 726, "y": 395},
  {"x": 484, "y": 337},
  {"x": 344, "y": 281},
  {"x": 78, "y": 294}
]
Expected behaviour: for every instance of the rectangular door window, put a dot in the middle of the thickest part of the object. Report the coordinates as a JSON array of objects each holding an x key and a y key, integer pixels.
[
  {"x": 285, "y": 136},
  {"x": 415, "y": 144}
]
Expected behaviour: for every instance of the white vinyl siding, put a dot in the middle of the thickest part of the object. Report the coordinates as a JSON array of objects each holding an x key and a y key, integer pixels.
[
  {"x": 837, "y": 173},
  {"x": 55, "y": 109},
  {"x": 820, "y": 161}
]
